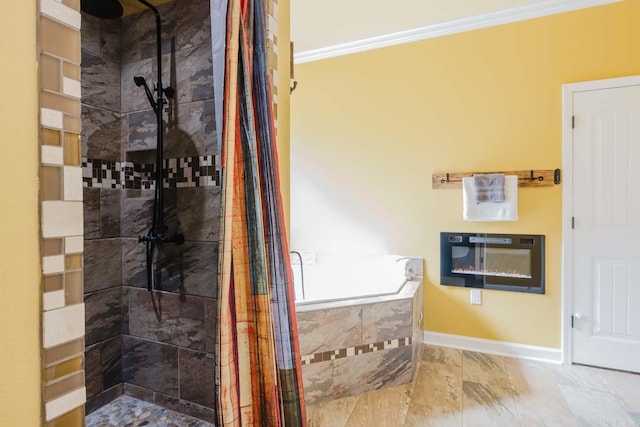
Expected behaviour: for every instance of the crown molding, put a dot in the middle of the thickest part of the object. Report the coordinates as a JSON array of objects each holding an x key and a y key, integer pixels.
[{"x": 499, "y": 17}]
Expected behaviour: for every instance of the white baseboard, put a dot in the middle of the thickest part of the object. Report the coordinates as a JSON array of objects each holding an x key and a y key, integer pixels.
[{"x": 500, "y": 348}]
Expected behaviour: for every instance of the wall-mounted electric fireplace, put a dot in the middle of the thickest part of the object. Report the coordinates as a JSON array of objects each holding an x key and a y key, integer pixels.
[{"x": 509, "y": 262}]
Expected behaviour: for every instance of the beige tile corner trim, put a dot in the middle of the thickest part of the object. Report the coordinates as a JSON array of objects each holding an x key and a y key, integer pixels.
[
  {"x": 73, "y": 245},
  {"x": 52, "y": 155},
  {"x": 53, "y": 300},
  {"x": 72, "y": 179},
  {"x": 71, "y": 87},
  {"x": 51, "y": 118},
  {"x": 53, "y": 264},
  {"x": 58, "y": 11},
  {"x": 63, "y": 325},
  {"x": 65, "y": 403},
  {"x": 61, "y": 219}
]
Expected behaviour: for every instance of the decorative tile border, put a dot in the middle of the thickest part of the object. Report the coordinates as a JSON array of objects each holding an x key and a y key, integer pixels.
[
  {"x": 200, "y": 171},
  {"x": 355, "y": 351},
  {"x": 61, "y": 230}
]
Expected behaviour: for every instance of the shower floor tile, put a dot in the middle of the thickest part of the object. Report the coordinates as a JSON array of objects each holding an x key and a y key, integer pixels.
[{"x": 131, "y": 412}]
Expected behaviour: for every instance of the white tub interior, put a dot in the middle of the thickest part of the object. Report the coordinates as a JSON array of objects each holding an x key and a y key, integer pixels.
[{"x": 333, "y": 277}]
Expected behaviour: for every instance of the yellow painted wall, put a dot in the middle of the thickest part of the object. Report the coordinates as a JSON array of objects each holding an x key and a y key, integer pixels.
[
  {"x": 369, "y": 129},
  {"x": 19, "y": 252},
  {"x": 283, "y": 136}
]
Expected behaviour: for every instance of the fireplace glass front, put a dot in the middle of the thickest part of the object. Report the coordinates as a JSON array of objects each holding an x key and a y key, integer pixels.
[{"x": 511, "y": 262}]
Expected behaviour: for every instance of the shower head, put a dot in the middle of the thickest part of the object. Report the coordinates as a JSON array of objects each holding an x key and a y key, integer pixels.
[
  {"x": 139, "y": 81},
  {"x": 106, "y": 9}
]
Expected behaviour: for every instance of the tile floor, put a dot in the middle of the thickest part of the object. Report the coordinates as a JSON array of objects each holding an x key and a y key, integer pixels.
[
  {"x": 126, "y": 411},
  {"x": 463, "y": 388},
  {"x": 452, "y": 388}
]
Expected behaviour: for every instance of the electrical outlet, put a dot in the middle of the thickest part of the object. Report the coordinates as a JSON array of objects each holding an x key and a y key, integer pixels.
[{"x": 476, "y": 297}]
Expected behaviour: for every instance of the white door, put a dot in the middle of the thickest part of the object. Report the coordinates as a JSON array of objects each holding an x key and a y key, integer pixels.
[{"x": 606, "y": 233}]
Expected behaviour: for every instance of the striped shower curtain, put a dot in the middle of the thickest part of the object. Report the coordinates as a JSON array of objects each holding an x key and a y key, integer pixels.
[{"x": 258, "y": 360}]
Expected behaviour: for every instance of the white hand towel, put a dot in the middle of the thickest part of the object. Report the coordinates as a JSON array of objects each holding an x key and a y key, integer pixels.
[{"x": 505, "y": 211}]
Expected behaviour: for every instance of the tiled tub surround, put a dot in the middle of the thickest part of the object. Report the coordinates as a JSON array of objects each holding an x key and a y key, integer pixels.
[{"x": 352, "y": 346}]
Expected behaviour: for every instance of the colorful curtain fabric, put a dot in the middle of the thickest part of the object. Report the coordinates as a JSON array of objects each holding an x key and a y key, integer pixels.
[{"x": 258, "y": 359}]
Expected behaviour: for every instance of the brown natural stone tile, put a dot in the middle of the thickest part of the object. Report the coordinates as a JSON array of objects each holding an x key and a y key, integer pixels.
[
  {"x": 62, "y": 352},
  {"x": 50, "y": 73},
  {"x": 53, "y": 283},
  {"x": 50, "y": 137},
  {"x": 59, "y": 39},
  {"x": 391, "y": 407},
  {"x": 51, "y": 247},
  {"x": 73, "y": 418},
  {"x": 73, "y": 262},
  {"x": 63, "y": 368},
  {"x": 442, "y": 355},
  {"x": 71, "y": 70},
  {"x": 437, "y": 396},
  {"x": 73, "y": 289},
  {"x": 485, "y": 369},
  {"x": 60, "y": 103},
  {"x": 71, "y": 149},
  {"x": 63, "y": 386},
  {"x": 71, "y": 123},
  {"x": 51, "y": 183}
]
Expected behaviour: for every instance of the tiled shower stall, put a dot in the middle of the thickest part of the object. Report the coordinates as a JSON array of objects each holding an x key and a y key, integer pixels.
[
  {"x": 156, "y": 346},
  {"x": 98, "y": 137}
]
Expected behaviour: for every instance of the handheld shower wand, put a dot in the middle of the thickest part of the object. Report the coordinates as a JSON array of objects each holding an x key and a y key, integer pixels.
[{"x": 140, "y": 81}]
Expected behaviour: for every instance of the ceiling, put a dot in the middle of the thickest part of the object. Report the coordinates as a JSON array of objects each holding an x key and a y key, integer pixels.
[{"x": 319, "y": 24}]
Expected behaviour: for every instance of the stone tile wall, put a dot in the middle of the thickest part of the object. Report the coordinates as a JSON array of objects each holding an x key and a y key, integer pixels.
[
  {"x": 101, "y": 124},
  {"x": 169, "y": 336}
]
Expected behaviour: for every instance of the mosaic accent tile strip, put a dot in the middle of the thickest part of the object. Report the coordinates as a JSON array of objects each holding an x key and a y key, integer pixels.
[
  {"x": 357, "y": 350},
  {"x": 200, "y": 171}
]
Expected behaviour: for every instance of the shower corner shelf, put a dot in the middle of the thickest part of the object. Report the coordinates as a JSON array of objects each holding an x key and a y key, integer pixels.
[{"x": 526, "y": 178}]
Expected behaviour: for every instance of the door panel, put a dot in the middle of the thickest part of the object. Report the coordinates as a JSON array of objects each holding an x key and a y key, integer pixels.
[{"x": 606, "y": 208}]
